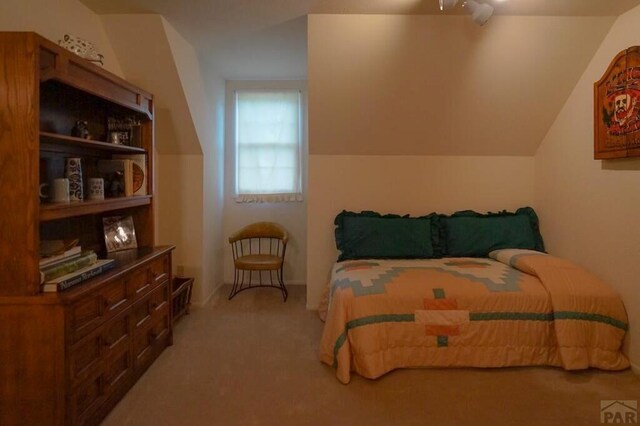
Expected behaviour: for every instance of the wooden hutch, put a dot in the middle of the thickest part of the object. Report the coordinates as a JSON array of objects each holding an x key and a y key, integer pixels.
[{"x": 67, "y": 358}]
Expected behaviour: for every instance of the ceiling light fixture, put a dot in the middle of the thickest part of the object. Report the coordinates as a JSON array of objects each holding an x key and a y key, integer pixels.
[{"x": 480, "y": 12}]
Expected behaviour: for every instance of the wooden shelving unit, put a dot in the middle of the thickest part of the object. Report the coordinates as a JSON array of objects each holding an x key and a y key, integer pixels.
[
  {"x": 55, "y": 211},
  {"x": 62, "y": 140},
  {"x": 67, "y": 358}
]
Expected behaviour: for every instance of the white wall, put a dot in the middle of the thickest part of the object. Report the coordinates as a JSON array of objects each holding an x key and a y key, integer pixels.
[
  {"x": 417, "y": 185},
  {"x": 214, "y": 244},
  {"x": 589, "y": 209},
  {"x": 291, "y": 215},
  {"x": 53, "y": 19}
]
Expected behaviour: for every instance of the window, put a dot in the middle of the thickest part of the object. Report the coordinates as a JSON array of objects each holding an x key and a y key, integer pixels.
[{"x": 268, "y": 138}]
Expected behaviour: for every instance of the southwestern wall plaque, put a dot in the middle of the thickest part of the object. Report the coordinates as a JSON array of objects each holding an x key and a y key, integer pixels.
[{"x": 617, "y": 108}]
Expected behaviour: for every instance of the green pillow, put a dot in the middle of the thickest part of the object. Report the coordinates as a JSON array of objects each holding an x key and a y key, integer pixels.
[
  {"x": 369, "y": 235},
  {"x": 471, "y": 234}
]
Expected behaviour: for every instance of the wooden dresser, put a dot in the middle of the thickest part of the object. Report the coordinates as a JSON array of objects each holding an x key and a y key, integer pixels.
[{"x": 67, "y": 358}]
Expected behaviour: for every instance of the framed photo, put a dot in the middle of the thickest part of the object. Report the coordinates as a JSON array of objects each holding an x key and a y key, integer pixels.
[
  {"x": 617, "y": 108},
  {"x": 119, "y": 233},
  {"x": 119, "y": 138}
]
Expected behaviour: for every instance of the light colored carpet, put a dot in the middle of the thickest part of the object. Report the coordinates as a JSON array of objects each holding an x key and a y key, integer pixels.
[{"x": 253, "y": 361}]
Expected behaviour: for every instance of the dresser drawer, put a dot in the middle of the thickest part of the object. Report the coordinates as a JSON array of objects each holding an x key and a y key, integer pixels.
[
  {"x": 160, "y": 269},
  {"x": 159, "y": 299},
  {"x": 84, "y": 357},
  {"x": 90, "y": 352},
  {"x": 86, "y": 399},
  {"x": 156, "y": 301},
  {"x": 87, "y": 314},
  {"x": 149, "y": 341},
  {"x": 140, "y": 282},
  {"x": 115, "y": 297},
  {"x": 118, "y": 368}
]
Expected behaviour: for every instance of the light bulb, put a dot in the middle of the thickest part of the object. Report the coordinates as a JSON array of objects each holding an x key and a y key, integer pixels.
[
  {"x": 448, "y": 4},
  {"x": 480, "y": 12}
]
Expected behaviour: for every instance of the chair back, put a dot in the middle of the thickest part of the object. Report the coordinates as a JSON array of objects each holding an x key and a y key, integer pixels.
[{"x": 259, "y": 238}]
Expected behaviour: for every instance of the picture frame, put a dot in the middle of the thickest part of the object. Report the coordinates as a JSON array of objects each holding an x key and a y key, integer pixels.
[
  {"x": 617, "y": 108},
  {"x": 119, "y": 233},
  {"x": 119, "y": 137},
  {"x": 124, "y": 131}
]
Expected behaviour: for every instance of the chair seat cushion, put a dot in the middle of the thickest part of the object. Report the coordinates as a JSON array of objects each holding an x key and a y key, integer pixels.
[{"x": 258, "y": 262}]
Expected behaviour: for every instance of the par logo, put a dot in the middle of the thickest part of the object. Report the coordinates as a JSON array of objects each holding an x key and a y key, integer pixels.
[{"x": 619, "y": 412}]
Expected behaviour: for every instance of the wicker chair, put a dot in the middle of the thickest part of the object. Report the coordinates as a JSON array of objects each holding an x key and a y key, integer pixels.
[{"x": 259, "y": 247}]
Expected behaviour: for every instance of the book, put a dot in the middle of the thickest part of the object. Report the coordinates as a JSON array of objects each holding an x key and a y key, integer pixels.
[
  {"x": 118, "y": 177},
  {"x": 87, "y": 258},
  {"x": 139, "y": 172},
  {"x": 67, "y": 281},
  {"x": 72, "y": 253}
]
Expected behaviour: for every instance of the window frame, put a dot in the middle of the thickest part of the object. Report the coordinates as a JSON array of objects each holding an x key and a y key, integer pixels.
[{"x": 231, "y": 175}]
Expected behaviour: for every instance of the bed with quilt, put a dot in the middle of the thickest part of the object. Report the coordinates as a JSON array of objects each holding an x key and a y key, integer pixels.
[{"x": 465, "y": 290}]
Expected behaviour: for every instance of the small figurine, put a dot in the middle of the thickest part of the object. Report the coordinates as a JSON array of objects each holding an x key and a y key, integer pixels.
[{"x": 81, "y": 130}]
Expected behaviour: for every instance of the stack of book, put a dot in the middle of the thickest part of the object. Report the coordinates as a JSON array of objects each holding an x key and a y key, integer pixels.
[{"x": 64, "y": 270}]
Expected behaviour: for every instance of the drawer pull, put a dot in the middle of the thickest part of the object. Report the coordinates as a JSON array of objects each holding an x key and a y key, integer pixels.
[{"x": 143, "y": 288}]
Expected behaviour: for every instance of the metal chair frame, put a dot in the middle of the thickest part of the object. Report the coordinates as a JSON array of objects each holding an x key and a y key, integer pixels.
[{"x": 243, "y": 243}]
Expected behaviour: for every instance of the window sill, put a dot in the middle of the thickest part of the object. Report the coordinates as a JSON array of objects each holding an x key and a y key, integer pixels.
[{"x": 268, "y": 198}]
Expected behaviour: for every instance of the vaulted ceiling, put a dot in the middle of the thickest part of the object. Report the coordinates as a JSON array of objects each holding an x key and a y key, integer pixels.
[
  {"x": 394, "y": 77},
  {"x": 255, "y": 39}
]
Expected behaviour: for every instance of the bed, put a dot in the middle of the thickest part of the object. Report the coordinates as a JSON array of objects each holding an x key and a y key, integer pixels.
[{"x": 512, "y": 307}]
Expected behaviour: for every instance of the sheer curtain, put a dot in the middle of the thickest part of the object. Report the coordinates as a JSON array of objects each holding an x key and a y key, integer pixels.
[{"x": 268, "y": 146}]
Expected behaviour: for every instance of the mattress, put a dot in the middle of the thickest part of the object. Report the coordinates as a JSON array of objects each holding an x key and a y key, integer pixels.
[{"x": 515, "y": 309}]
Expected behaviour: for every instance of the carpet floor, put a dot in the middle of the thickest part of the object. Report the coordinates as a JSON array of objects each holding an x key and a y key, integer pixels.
[{"x": 254, "y": 361}]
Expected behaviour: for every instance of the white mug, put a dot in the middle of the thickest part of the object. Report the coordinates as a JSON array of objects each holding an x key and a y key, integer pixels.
[
  {"x": 58, "y": 191},
  {"x": 96, "y": 189}
]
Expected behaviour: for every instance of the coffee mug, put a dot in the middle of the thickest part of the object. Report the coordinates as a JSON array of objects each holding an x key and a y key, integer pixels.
[
  {"x": 96, "y": 189},
  {"x": 57, "y": 192}
]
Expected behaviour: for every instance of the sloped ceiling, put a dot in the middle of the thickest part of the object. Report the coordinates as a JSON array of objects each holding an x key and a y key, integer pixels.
[
  {"x": 266, "y": 39},
  {"x": 146, "y": 59},
  {"x": 429, "y": 85},
  {"x": 402, "y": 84}
]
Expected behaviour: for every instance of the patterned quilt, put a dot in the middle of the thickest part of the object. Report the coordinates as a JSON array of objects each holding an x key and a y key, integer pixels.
[{"x": 519, "y": 308}]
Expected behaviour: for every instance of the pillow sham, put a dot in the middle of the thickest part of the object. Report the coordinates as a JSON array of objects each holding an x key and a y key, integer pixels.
[
  {"x": 370, "y": 235},
  {"x": 471, "y": 234},
  {"x": 510, "y": 256}
]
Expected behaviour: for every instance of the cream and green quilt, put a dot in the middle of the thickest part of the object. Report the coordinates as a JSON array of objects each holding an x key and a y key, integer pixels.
[{"x": 513, "y": 309}]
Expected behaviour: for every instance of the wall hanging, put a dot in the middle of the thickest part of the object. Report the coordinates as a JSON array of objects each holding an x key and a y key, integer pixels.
[{"x": 617, "y": 108}]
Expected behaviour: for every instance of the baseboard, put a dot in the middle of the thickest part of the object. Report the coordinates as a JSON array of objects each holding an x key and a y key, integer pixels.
[{"x": 208, "y": 298}]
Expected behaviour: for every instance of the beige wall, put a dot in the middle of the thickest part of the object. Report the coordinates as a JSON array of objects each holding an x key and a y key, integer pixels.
[
  {"x": 205, "y": 102},
  {"x": 589, "y": 208},
  {"x": 441, "y": 85},
  {"x": 416, "y": 185},
  {"x": 291, "y": 215},
  {"x": 188, "y": 141},
  {"x": 148, "y": 60},
  {"x": 179, "y": 205},
  {"x": 53, "y": 19}
]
